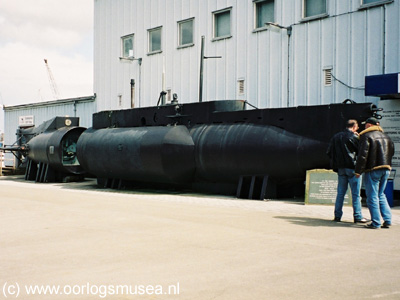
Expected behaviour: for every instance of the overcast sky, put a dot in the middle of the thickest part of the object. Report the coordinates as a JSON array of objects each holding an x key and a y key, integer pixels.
[{"x": 56, "y": 30}]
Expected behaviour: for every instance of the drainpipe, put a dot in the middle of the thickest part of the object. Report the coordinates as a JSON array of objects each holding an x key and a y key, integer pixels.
[
  {"x": 289, "y": 34},
  {"x": 75, "y": 103},
  {"x": 132, "y": 93},
  {"x": 384, "y": 41},
  {"x": 201, "y": 70}
]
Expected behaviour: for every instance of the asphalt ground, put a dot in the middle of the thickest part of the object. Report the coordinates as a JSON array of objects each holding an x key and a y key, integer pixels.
[{"x": 96, "y": 243}]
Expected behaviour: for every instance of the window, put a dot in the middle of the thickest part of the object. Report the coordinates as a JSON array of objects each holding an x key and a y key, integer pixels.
[
  {"x": 127, "y": 45},
  {"x": 155, "y": 40},
  {"x": 185, "y": 32},
  {"x": 264, "y": 12},
  {"x": 369, "y": 3},
  {"x": 222, "y": 24},
  {"x": 314, "y": 8}
]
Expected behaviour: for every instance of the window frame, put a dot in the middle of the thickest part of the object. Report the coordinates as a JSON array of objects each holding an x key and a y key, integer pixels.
[
  {"x": 149, "y": 48},
  {"x": 180, "y": 33},
  {"x": 214, "y": 16},
  {"x": 264, "y": 27},
  {"x": 374, "y": 4},
  {"x": 314, "y": 17},
  {"x": 123, "y": 38}
]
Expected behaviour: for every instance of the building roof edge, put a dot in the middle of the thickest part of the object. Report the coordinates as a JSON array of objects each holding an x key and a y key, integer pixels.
[{"x": 50, "y": 103}]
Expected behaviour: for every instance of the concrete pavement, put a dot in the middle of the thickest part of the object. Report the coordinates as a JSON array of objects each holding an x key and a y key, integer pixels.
[{"x": 89, "y": 241}]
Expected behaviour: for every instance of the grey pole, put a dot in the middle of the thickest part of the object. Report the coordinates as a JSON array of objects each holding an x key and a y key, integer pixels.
[{"x": 201, "y": 70}]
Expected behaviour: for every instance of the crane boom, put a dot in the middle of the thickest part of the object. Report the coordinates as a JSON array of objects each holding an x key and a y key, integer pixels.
[{"x": 52, "y": 81}]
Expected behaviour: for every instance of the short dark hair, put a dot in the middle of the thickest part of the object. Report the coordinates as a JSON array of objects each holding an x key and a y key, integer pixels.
[{"x": 351, "y": 123}]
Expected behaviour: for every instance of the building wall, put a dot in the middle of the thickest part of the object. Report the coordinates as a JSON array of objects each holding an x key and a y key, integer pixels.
[
  {"x": 82, "y": 107},
  {"x": 277, "y": 70}
]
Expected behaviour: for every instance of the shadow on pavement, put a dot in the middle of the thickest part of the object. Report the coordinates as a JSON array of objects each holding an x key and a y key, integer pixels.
[{"x": 306, "y": 221}]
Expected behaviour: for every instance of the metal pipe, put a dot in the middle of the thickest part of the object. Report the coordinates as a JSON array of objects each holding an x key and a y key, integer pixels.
[
  {"x": 140, "y": 80},
  {"x": 201, "y": 70},
  {"x": 132, "y": 93},
  {"x": 288, "y": 68},
  {"x": 384, "y": 41},
  {"x": 75, "y": 103}
]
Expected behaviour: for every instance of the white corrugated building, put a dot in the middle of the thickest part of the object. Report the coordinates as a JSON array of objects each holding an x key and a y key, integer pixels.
[
  {"x": 318, "y": 51},
  {"x": 37, "y": 113}
]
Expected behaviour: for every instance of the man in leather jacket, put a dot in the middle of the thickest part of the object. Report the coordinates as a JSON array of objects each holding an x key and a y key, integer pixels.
[
  {"x": 374, "y": 160},
  {"x": 343, "y": 149}
]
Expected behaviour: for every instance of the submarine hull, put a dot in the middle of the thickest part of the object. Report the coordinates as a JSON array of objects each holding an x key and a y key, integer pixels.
[
  {"x": 227, "y": 152},
  {"x": 214, "y": 143},
  {"x": 141, "y": 154}
]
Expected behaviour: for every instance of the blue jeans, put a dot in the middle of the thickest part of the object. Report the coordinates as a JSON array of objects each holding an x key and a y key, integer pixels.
[
  {"x": 375, "y": 184},
  {"x": 346, "y": 177}
]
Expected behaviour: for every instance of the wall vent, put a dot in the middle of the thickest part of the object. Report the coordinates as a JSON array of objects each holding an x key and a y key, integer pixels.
[
  {"x": 328, "y": 77},
  {"x": 241, "y": 86}
]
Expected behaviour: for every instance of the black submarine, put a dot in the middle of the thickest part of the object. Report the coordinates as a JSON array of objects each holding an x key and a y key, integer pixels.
[{"x": 223, "y": 146}]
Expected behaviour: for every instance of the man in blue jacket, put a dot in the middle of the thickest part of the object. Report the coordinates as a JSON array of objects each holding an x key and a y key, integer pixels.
[
  {"x": 374, "y": 160},
  {"x": 343, "y": 149}
]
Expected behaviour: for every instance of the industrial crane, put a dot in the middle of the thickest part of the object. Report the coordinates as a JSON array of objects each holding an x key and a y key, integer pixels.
[{"x": 52, "y": 81}]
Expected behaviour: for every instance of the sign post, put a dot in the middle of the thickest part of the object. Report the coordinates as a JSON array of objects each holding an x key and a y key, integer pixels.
[
  {"x": 321, "y": 188},
  {"x": 26, "y": 121},
  {"x": 390, "y": 124}
]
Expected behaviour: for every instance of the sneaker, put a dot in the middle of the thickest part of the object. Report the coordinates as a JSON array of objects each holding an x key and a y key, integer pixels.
[
  {"x": 362, "y": 220},
  {"x": 386, "y": 225},
  {"x": 336, "y": 219},
  {"x": 370, "y": 226}
]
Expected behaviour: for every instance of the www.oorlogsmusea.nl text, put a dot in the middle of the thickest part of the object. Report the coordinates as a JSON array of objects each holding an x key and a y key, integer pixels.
[{"x": 15, "y": 290}]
